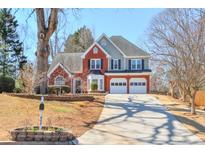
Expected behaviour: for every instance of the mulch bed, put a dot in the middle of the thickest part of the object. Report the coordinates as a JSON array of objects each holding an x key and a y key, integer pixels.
[{"x": 55, "y": 97}]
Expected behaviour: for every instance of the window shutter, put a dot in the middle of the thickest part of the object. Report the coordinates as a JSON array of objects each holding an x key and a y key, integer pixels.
[
  {"x": 101, "y": 63},
  {"x": 142, "y": 64},
  {"x": 112, "y": 64},
  {"x": 88, "y": 64},
  {"x": 129, "y": 63},
  {"x": 119, "y": 64}
]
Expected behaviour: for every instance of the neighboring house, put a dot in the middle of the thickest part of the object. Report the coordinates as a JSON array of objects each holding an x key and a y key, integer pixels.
[{"x": 114, "y": 64}]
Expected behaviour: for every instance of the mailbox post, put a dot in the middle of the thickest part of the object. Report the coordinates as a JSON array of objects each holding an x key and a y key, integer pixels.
[{"x": 41, "y": 109}]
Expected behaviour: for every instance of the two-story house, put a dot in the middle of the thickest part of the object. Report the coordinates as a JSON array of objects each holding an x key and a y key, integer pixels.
[{"x": 114, "y": 64}]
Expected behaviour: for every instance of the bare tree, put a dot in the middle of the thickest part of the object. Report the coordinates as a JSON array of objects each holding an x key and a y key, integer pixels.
[
  {"x": 46, "y": 27},
  {"x": 177, "y": 37},
  {"x": 27, "y": 78}
]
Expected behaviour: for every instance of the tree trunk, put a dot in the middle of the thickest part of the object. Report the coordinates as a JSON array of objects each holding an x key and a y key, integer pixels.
[
  {"x": 182, "y": 94},
  {"x": 193, "y": 111},
  {"x": 171, "y": 89},
  {"x": 42, "y": 65},
  {"x": 45, "y": 30}
]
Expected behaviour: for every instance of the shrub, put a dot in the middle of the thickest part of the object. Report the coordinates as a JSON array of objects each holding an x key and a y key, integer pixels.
[
  {"x": 17, "y": 90},
  {"x": 57, "y": 90},
  {"x": 7, "y": 84},
  {"x": 94, "y": 86},
  {"x": 37, "y": 89}
]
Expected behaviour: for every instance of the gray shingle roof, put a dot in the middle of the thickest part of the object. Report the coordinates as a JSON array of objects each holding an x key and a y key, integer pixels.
[
  {"x": 71, "y": 61},
  {"x": 128, "y": 48}
]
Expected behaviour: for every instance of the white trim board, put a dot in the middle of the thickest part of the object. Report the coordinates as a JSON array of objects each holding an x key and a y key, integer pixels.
[{"x": 122, "y": 74}]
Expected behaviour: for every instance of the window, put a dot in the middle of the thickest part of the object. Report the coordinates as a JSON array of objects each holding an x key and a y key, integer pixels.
[
  {"x": 120, "y": 84},
  {"x": 136, "y": 64},
  {"x": 115, "y": 64},
  {"x": 143, "y": 83},
  {"x": 101, "y": 84},
  {"x": 116, "y": 83},
  {"x": 124, "y": 83},
  {"x": 94, "y": 81},
  {"x": 112, "y": 84},
  {"x": 59, "y": 81},
  {"x": 95, "y": 64}
]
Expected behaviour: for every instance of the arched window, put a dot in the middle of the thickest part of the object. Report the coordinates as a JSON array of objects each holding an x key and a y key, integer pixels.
[{"x": 59, "y": 81}]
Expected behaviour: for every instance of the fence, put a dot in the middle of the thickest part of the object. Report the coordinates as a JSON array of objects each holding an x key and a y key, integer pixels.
[{"x": 200, "y": 98}]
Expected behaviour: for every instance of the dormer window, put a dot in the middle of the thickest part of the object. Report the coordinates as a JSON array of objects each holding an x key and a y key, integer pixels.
[
  {"x": 136, "y": 64},
  {"x": 95, "y": 50},
  {"x": 95, "y": 64}
]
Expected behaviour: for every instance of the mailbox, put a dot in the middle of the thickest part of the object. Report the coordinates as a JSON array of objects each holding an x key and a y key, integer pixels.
[{"x": 41, "y": 107}]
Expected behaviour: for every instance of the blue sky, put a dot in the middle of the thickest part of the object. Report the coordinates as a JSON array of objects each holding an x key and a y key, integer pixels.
[{"x": 130, "y": 23}]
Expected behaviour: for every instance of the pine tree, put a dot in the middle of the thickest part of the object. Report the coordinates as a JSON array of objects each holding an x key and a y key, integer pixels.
[
  {"x": 11, "y": 49},
  {"x": 79, "y": 41}
]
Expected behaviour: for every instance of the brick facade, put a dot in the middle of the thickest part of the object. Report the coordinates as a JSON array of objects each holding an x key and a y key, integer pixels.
[
  {"x": 91, "y": 55},
  {"x": 59, "y": 71}
]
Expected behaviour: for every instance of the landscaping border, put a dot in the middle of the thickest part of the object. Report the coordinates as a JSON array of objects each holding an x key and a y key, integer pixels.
[
  {"x": 78, "y": 97},
  {"x": 21, "y": 134}
]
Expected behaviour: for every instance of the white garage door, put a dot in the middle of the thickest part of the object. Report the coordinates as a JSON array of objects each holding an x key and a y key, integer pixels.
[
  {"x": 118, "y": 86},
  {"x": 138, "y": 86}
]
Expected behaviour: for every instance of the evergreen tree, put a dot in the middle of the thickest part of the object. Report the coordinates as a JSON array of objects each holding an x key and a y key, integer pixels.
[
  {"x": 11, "y": 49},
  {"x": 81, "y": 40}
]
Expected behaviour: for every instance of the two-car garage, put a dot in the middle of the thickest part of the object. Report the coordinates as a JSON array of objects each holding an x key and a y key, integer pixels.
[{"x": 136, "y": 86}]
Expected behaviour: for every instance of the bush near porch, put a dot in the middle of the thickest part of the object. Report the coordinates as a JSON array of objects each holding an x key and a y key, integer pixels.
[
  {"x": 58, "y": 90},
  {"x": 94, "y": 86}
]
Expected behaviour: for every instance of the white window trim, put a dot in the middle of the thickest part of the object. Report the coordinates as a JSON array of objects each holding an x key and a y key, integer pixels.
[
  {"x": 95, "y": 64},
  {"x": 114, "y": 64},
  {"x": 97, "y": 77},
  {"x": 136, "y": 65},
  {"x": 58, "y": 77},
  {"x": 101, "y": 85}
]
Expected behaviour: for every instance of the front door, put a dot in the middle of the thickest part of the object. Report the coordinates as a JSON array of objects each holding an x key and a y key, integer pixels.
[{"x": 78, "y": 87}]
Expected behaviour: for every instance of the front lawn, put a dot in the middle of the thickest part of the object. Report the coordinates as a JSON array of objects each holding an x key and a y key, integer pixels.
[{"x": 76, "y": 116}]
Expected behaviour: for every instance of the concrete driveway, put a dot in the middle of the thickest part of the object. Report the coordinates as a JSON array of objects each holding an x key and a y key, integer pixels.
[{"x": 142, "y": 121}]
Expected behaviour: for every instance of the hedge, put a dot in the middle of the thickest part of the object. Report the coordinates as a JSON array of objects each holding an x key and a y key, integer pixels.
[{"x": 7, "y": 84}]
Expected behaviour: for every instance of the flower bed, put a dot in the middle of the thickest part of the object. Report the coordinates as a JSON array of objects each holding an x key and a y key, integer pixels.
[
  {"x": 46, "y": 134},
  {"x": 55, "y": 97}
]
